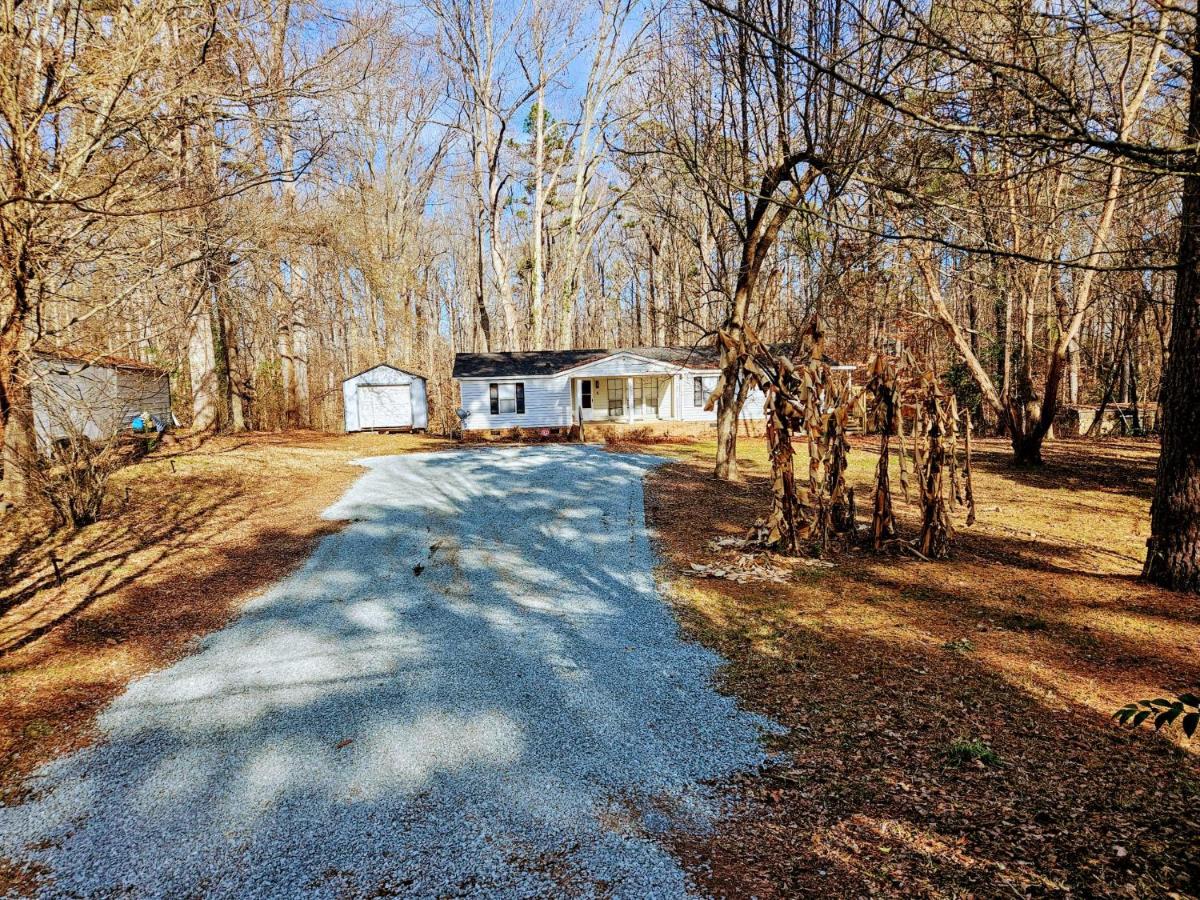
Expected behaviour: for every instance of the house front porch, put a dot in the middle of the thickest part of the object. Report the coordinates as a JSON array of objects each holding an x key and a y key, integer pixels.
[{"x": 626, "y": 399}]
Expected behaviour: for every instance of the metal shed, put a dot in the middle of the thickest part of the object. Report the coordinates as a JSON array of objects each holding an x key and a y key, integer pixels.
[
  {"x": 384, "y": 398},
  {"x": 94, "y": 396}
]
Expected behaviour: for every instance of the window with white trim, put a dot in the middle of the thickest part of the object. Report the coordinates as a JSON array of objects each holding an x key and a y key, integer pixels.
[
  {"x": 508, "y": 397},
  {"x": 702, "y": 387},
  {"x": 616, "y": 396},
  {"x": 585, "y": 393}
]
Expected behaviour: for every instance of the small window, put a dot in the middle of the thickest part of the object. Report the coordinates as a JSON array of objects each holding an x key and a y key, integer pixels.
[
  {"x": 507, "y": 398},
  {"x": 585, "y": 393},
  {"x": 702, "y": 386}
]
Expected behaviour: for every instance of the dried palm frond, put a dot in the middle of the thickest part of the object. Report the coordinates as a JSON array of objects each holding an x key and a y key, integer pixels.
[{"x": 806, "y": 402}]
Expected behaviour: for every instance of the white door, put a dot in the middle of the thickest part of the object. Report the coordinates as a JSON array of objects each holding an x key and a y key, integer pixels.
[{"x": 384, "y": 406}]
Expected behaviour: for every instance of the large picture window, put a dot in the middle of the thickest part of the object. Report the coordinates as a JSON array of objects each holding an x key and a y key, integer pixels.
[{"x": 508, "y": 398}]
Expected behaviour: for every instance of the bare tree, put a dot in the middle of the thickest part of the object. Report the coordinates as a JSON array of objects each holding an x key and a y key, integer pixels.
[
  {"x": 81, "y": 112},
  {"x": 765, "y": 135}
]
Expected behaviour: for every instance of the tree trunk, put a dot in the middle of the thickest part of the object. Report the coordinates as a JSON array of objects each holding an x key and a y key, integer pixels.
[
  {"x": 537, "y": 318},
  {"x": 1073, "y": 376},
  {"x": 485, "y": 323},
  {"x": 1173, "y": 550},
  {"x": 1134, "y": 398},
  {"x": 1027, "y": 448},
  {"x": 287, "y": 371},
  {"x": 1006, "y": 350},
  {"x": 20, "y": 445},
  {"x": 501, "y": 275},
  {"x": 728, "y": 407},
  {"x": 299, "y": 332},
  {"x": 727, "y": 414},
  {"x": 228, "y": 360},
  {"x": 202, "y": 366},
  {"x": 762, "y": 230},
  {"x": 238, "y": 393}
]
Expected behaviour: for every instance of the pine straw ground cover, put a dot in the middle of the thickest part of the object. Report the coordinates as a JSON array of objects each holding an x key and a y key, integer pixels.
[
  {"x": 199, "y": 531},
  {"x": 950, "y": 730}
]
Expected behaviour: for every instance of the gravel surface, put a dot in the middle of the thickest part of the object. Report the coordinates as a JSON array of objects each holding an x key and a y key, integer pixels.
[{"x": 473, "y": 689}]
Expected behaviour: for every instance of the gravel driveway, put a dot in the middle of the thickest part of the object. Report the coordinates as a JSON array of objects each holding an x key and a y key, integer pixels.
[{"x": 473, "y": 689}]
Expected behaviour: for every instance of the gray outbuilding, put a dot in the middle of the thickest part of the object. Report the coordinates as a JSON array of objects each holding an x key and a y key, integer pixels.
[
  {"x": 385, "y": 398},
  {"x": 94, "y": 396}
]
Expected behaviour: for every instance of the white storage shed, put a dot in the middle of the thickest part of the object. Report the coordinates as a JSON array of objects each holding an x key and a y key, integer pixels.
[{"x": 385, "y": 398}]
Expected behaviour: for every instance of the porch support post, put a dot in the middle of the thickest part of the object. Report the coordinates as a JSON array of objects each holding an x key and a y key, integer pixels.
[
  {"x": 577, "y": 412},
  {"x": 628, "y": 398}
]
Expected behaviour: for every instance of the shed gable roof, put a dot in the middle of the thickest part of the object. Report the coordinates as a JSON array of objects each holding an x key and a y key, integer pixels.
[{"x": 383, "y": 366}]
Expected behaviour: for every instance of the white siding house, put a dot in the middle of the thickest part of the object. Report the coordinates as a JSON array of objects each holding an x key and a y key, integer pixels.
[
  {"x": 384, "y": 397},
  {"x": 557, "y": 388},
  {"x": 94, "y": 397}
]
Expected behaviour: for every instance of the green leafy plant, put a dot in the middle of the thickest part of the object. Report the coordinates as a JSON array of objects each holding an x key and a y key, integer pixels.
[
  {"x": 960, "y": 753},
  {"x": 1164, "y": 711}
]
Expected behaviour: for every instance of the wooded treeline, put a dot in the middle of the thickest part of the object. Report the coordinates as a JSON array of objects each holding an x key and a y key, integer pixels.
[{"x": 265, "y": 197}]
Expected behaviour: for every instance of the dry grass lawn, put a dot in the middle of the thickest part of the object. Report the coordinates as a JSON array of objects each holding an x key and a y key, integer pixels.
[
  {"x": 194, "y": 533},
  {"x": 893, "y": 674}
]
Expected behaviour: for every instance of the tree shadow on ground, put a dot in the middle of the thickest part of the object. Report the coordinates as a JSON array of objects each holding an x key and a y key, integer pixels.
[
  {"x": 43, "y": 595},
  {"x": 879, "y": 665},
  {"x": 484, "y": 637},
  {"x": 870, "y": 799},
  {"x": 1109, "y": 466},
  {"x": 136, "y": 590}
]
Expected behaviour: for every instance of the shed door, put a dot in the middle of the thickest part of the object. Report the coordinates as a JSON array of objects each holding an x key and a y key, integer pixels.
[{"x": 384, "y": 406}]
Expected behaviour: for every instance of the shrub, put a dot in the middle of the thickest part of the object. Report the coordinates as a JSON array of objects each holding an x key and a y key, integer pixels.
[
  {"x": 73, "y": 480},
  {"x": 644, "y": 435}
]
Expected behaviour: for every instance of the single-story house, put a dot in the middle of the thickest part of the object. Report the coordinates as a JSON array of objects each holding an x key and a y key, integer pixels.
[
  {"x": 554, "y": 388},
  {"x": 385, "y": 398},
  {"x": 94, "y": 396}
]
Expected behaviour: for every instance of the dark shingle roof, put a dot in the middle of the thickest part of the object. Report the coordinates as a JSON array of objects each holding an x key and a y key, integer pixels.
[{"x": 551, "y": 362}]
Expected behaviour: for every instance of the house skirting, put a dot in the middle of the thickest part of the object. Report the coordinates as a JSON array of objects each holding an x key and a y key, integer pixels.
[{"x": 518, "y": 435}]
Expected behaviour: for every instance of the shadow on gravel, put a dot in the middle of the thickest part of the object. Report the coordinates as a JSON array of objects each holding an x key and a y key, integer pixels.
[{"x": 473, "y": 687}]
